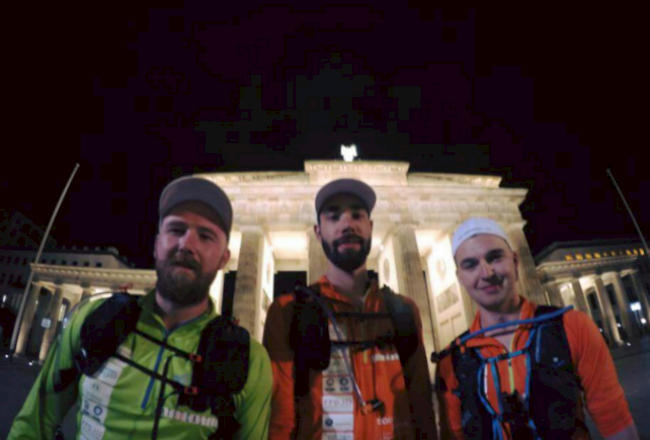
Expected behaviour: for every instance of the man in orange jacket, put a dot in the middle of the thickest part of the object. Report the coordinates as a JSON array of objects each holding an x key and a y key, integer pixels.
[
  {"x": 351, "y": 386},
  {"x": 529, "y": 380}
]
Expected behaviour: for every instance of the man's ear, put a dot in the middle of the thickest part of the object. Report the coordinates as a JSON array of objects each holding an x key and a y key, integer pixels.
[
  {"x": 224, "y": 259},
  {"x": 515, "y": 258},
  {"x": 317, "y": 232}
]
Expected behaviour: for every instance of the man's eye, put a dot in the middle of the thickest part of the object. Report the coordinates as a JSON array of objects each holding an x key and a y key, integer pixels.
[{"x": 206, "y": 237}]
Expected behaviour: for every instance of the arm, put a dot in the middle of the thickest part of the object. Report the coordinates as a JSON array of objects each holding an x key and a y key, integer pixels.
[
  {"x": 276, "y": 341},
  {"x": 254, "y": 402},
  {"x": 44, "y": 408},
  {"x": 605, "y": 399},
  {"x": 420, "y": 391},
  {"x": 629, "y": 433}
]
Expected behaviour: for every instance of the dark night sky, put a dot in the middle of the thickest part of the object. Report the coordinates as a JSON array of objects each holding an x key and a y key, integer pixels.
[{"x": 556, "y": 96}]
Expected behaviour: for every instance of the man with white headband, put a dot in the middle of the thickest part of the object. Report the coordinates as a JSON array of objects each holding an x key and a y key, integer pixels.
[{"x": 508, "y": 379}]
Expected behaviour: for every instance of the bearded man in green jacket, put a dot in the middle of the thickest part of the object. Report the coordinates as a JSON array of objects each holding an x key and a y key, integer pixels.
[{"x": 151, "y": 383}]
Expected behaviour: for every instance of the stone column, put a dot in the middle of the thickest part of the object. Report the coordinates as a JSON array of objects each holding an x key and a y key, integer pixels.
[
  {"x": 610, "y": 327},
  {"x": 216, "y": 290},
  {"x": 86, "y": 291},
  {"x": 642, "y": 294},
  {"x": 410, "y": 279},
  {"x": 248, "y": 286},
  {"x": 317, "y": 259},
  {"x": 529, "y": 283},
  {"x": 28, "y": 318},
  {"x": 554, "y": 294},
  {"x": 581, "y": 299},
  {"x": 623, "y": 305},
  {"x": 53, "y": 315}
]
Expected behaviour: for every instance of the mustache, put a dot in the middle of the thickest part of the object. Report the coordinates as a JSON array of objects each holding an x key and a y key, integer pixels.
[
  {"x": 348, "y": 239},
  {"x": 184, "y": 261},
  {"x": 494, "y": 280}
]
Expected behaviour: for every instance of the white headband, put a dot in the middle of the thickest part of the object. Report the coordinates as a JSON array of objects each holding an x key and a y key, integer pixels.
[{"x": 475, "y": 226}]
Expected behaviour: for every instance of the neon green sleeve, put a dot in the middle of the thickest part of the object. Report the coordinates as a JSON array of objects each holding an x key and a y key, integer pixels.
[
  {"x": 254, "y": 402},
  {"x": 44, "y": 408}
]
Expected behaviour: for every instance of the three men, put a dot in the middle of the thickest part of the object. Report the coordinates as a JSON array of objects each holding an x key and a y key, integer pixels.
[
  {"x": 522, "y": 381},
  {"x": 337, "y": 372},
  {"x": 163, "y": 365}
]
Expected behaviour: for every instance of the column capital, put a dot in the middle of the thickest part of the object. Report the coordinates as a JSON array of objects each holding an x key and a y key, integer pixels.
[{"x": 251, "y": 228}]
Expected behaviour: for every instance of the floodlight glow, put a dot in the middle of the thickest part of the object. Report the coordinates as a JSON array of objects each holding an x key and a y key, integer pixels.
[
  {"x": 636, "y": 307},
  {"x": 643, "y": 321},
  {"x": 618, "y": 325},
  {"x": 349, "y": 152}
]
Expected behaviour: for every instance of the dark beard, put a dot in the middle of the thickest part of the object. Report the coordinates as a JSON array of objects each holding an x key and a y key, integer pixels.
[
  {"x": 177, "y": 287},
  {"x": 350, "y": 260}
]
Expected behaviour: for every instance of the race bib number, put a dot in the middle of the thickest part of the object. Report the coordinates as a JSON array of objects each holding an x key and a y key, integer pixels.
[
  {"x": 337, "y": 436},
  {"x": 338, "y": 403},
  {"x": 90, "y": 429}
]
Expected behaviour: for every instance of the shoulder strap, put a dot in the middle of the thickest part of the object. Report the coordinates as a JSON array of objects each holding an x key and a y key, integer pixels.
[
  {"x": 220, "y": 371},
  {"x": 105, "y": 329},
  {"x": 309, "y": 338},
  {"x": 406, "y": 334}
]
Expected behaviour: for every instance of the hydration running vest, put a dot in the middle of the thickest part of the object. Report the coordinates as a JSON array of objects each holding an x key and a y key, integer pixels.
[
  {"x": 549, "y": 410},
  {"x": 220, "y": 365},
  {"x": 310, "y": 338}
]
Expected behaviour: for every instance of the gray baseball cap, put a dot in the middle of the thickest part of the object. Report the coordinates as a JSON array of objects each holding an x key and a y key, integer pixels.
[
  {"x": 197, "y": 189},
  {"x": 346, "y": 186}
]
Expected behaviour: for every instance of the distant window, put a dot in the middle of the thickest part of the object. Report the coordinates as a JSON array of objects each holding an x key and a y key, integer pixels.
[
  {"x": 98, "y": 264},
  {"x": 2, "y": 278},
  {"x": 635, "y": 251},
  {"x": 611, "y": 296},
  {"x": 588, "y": 256},
  {"x": 631, "y": 295},
  {"x": 597, "y": 255},
  {"x": 53, "y": 262},
  {"x": 627, "y": 251},
  {"x": 11, "y": 279},
  {"x": 86, "y": 264},
  {"x": 24, "y": 261},
  {"x": 43, "y": 261},
  {"x": 578, "y": 256},
  {"x": 64, "y": 262},
  {"x": 641, "y": 251},
  {"x": 605, "y": 254},
  {"x": 74, "y": 263},
  {"x": 2, "y": 258},
  {"x": 17, "y": 260},
  {"x": 568, "y": 257}
]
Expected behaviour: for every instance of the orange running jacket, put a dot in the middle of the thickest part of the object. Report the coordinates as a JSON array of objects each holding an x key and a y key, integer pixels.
[{"x": 331, "y": 410}]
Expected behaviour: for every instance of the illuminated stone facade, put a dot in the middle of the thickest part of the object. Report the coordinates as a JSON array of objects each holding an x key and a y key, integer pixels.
[{"x": 607, "y": 279}]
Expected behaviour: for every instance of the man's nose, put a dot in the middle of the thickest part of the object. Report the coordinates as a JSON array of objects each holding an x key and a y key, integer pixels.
[
  {"x": 347, "y": 221},
  {"x": 189, "y": 240},
  {"x": 487, "y": 270}
]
